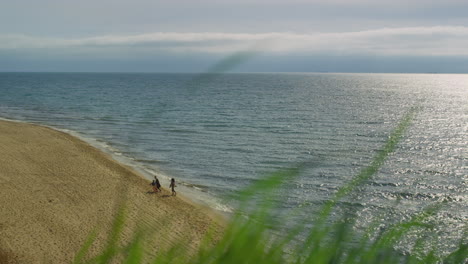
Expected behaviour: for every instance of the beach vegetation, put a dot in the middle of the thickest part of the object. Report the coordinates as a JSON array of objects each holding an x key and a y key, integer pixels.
[{"x": 254, "y": 233}]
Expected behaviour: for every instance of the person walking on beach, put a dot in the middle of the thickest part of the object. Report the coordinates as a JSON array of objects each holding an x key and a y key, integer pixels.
[
  {"x": 156, "y": 185},
  {"x": 172, "y": 186}
]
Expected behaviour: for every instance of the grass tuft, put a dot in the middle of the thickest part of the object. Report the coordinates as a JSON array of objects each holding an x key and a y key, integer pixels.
[{"x": 248, "y": 237}]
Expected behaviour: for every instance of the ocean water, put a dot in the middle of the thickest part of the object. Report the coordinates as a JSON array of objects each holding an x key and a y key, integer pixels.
[{"x": 218, "y": 134}]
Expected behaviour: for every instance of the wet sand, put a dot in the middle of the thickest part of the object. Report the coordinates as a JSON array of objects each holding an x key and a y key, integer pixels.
[{"x": 56, "y": 189}]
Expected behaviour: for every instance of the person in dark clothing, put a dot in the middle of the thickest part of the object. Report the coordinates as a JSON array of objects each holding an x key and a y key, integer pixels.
[
  {"x": 172, "y": 186},
  {"x": 156, "y": 185}
]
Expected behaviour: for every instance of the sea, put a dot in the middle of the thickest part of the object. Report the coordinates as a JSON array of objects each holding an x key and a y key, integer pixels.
[{"x": 217, "y": 134}]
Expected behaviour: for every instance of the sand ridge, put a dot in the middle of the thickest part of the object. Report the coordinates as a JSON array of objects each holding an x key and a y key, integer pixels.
[{"x": 56, "y": 189}]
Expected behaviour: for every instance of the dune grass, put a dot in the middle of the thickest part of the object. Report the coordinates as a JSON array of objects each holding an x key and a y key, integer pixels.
[{"x": 248, "y": 237}]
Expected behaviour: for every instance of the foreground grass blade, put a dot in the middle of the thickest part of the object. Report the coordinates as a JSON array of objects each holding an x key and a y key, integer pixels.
[
  {"x": 318, "y": 232},
  {"x": 248, "y": 237},
  {"x": 85, "y": 248}
]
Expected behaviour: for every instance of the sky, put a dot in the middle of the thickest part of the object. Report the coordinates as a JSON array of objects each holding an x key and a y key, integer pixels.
[{"x": 269, "y": 35}]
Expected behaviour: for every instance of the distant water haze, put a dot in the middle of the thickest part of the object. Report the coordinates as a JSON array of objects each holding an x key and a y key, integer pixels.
[{"x": 218, "y": 136}]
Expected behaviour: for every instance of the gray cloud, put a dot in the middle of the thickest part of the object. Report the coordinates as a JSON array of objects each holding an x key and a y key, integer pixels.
[
  {"x": 187, "y": 35},
  {"x": 90, "y": 18},
  {"x": 412, "y": 41}
]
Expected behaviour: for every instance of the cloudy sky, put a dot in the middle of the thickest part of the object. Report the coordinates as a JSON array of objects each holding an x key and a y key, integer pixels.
[{"x": 192, "y": 36}]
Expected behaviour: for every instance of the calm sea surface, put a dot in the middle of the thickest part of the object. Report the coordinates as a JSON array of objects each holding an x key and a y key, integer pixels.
[{"x": 218, "y": 134}]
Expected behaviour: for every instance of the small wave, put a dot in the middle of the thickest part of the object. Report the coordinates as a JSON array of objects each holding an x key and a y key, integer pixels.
[
  {"x": 386, "y": 184},
  {"x": 370, "y": 122},
  {"x": 196, "y": 186},
  {"x": 107, "y": 118},
  {"x": 240, "y": 150},
  {"x": 425, "y": 196},
  {"x": 149, "y": 161},
  {"x": 215, "y": 125},
  {"x": 182, "y": 131}
]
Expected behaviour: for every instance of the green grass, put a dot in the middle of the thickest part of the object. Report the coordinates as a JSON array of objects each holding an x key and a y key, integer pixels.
[{"x": 248, "y": 238}]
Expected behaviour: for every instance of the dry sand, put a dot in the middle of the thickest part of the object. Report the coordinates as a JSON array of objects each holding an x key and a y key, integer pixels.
[{"x": 56, "y": 189}]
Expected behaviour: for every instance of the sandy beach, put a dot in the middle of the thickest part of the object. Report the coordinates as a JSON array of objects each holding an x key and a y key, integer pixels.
[{"x": 56, "y": 189}]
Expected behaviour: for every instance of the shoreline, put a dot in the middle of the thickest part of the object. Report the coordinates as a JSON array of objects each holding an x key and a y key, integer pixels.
[
  {"x": 193, "y": 195},
  {"x": 57, "y": 188}
]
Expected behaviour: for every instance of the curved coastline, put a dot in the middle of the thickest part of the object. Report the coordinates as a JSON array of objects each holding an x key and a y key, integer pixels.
[
  {"x": 57, "y": 189},
  {"x": 190, "y": 193}
]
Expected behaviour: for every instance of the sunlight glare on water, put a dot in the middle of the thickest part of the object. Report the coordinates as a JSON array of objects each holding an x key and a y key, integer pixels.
[{"x": 219, "y": 136}]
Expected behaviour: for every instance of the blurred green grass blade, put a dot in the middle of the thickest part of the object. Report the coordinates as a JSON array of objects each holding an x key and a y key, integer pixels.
[
  {"x": 230, "y": 62},
  {"x": 85, "y": 248},
  {"x": 366, "y": 173},
  {"x": 269, "y": 183},
  {"x": 112, "y": 243},
  {"x": 394, "y": 233},
  {"x": 134, "y": 251},
  {"x": 248, "y": 237},
  {"x": 224, "y": 65},
  {"x": 459, "y": 255}
]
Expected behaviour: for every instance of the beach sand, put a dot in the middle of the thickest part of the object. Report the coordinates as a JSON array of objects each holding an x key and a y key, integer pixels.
[{"x": 56, "y": 189}]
